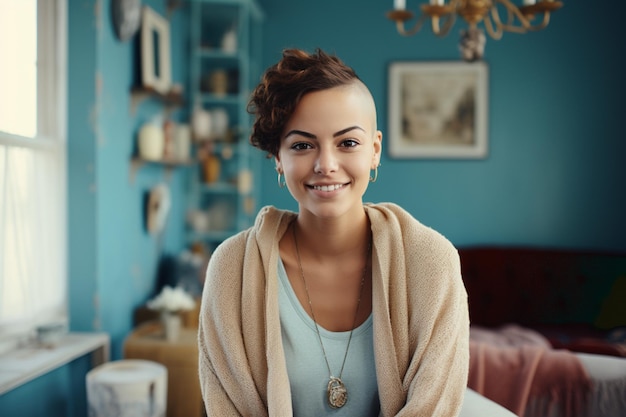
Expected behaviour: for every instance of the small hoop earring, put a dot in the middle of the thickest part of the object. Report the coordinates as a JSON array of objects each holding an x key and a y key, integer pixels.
[
  {"x": 281, "y": 184},
  {"x": 375, "y": 177}
]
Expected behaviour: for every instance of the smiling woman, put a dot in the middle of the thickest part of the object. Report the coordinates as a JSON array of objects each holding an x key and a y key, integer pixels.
[
  {"x": 338, "y": 294},
  {"x": 32, "y": 168}
]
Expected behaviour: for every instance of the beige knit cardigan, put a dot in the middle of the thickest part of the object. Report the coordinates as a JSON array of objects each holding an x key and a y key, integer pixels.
[{"x": 421, "y": 324}]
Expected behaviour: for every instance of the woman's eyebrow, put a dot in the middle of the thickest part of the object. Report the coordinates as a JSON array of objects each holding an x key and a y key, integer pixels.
[
  {"x": 312, "y": 136},
  {"x": 346, "y": 130},
  {"x": 300, "y": 133}
]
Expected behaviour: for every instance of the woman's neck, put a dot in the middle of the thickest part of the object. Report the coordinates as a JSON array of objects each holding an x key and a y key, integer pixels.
[{"x": 333, "y": 237}]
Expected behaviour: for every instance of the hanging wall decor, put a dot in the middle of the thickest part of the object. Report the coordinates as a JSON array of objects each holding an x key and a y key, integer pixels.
[
  {"x": 126, "y": 18},
  {"x": 155, "y": 51},
  {"x": 438, "y": 110}
]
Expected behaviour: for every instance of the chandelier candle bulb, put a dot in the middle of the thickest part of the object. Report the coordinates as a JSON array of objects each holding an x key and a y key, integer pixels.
[
  {"x": 399, "y": 4},
  {"x": 529, "y": 2},
  {"x": 440, "y": 2}
]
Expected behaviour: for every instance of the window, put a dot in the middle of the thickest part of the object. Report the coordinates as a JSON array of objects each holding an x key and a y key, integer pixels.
[{"x": 33, "y": 229}]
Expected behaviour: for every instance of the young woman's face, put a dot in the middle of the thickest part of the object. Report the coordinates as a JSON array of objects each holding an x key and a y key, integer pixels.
[{"x": 327, "y": 150}]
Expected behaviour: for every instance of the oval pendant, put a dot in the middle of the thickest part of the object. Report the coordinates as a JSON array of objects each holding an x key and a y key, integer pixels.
[{"x": 337, "y": 393}]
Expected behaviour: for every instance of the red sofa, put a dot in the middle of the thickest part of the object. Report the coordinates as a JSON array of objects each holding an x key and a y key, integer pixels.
[{"x": 575, "y": 298}]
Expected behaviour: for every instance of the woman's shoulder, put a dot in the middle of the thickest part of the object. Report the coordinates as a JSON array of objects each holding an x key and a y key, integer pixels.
[
  {"x": 396, "y": 231},
  {"x": 399, "y": 223},
  {"x": 387, "y": 212},
  {"x": 268, "y": 224},
  {"x": 232, "y": 245}
]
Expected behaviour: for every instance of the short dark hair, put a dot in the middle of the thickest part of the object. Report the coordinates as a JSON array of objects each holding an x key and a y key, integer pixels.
[{"x": 282, "y": 87}]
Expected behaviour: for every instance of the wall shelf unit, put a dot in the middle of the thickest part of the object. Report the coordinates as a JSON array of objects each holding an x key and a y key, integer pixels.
[
  {"x": 138, "y": 94},
  {"x": 169, "y": 164},
  {"x": 167, "y": 103},
  {"x": 224, "y": 67}
]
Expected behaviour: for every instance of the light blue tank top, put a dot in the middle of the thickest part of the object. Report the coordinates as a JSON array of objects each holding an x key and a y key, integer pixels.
[{"x": 306, "y": 367}]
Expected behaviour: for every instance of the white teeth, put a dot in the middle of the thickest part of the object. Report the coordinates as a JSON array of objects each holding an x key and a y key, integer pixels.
[{"x": 328, "y": 187}]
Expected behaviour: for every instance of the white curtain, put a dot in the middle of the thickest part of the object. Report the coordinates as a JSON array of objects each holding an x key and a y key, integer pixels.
[{"x": 32, "y": 245}]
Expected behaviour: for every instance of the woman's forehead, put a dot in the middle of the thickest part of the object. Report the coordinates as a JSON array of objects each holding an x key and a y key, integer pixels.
[{"x": 351, "y": 97}]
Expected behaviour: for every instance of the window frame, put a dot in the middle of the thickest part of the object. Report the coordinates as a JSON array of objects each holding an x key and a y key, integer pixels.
[{"x": 51, "y": 137}]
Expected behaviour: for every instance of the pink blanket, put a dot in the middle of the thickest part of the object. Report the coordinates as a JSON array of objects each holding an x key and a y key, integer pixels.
[{"x": 512, "y": 364}]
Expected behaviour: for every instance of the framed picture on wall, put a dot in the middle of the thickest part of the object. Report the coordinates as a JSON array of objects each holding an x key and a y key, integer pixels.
[
  {"x": 438, "y": 110},
  {"x": 155, "y": 51}
]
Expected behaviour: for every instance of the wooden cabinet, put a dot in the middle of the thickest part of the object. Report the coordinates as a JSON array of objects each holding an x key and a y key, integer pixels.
[{"x": 180, "y": 357}]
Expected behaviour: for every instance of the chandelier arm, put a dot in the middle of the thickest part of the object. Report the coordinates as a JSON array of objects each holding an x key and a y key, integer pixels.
[
  {"x": 494, "y": 33},
  {"x": 447, "y": 25},
  {"x": 543, "y": 24},
  {"x": 513, "y": 12},
  {"x": 412, "y": 31},
  {"x": 508, "y": 27},
  {"x": 510, "y": 16}
]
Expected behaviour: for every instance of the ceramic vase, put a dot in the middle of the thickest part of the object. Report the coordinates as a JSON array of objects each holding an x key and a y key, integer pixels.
[
  {"x": 182, "y": 142},
  {"x": 229, "y": 41},
  {"x": 172, "y": 322},
  {"x": 218, "y": 82},
  {"x": 151, "y": 144},
  {"x": 201, "y": 124},
  {"x": 219, "y": 122},
  {"x": 211, "y": 168}
]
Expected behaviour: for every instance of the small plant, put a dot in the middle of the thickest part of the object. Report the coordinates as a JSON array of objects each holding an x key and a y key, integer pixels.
[{"x": 172, "y": 300}]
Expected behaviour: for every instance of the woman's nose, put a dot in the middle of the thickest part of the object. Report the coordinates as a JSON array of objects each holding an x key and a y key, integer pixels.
[{"x": 326, "y": 161}]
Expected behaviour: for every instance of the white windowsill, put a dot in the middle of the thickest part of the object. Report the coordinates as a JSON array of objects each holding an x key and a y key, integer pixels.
[{"x": 25, "y": 364}]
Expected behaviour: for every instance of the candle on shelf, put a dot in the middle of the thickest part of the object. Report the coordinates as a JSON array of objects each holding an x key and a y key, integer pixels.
[
  {"x": 399, "y": 4},
  {"x": 529, "y": 2}
]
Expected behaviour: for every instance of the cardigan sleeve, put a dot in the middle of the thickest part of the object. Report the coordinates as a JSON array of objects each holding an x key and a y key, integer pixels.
[
  {"x": 216, "y": 400},
  {"x": 437, "y": 374},
  {"x": 421, "y": 326},
  {"x": 227, "y": 386}
]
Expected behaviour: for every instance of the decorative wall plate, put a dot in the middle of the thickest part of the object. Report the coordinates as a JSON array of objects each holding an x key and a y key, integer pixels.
[{"x": 126, "y": 18}]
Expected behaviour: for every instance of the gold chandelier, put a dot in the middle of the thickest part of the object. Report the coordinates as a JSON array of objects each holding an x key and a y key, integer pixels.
[{"x": 442, "y": 14}]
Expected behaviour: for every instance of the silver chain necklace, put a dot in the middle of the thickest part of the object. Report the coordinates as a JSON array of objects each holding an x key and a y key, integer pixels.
[{"x": 336, "y": 390}]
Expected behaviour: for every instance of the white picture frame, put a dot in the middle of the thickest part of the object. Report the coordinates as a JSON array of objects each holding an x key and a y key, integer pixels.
[
  {"x": 438, "y": 110},
  {"x": 155, "y": 51}
]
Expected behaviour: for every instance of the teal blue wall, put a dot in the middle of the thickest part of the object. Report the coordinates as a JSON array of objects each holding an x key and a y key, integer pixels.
[
  {"x": 113, "y": 260},
  {"x": 554, "y": 175}
]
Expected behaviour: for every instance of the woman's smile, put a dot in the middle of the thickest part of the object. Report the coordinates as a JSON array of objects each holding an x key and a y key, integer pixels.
[{"x": 329, "y": 188}]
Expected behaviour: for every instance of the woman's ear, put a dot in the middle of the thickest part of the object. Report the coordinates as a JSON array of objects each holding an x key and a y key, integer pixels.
[
  {"x": 378, "y": 146},
  {"x": 279, "y": 165}
]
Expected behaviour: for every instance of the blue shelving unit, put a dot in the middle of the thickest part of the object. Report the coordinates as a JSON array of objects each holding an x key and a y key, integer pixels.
[{"x": 236, "y": 192}]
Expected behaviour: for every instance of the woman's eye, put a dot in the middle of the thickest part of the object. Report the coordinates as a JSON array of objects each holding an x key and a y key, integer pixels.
[
  {"x": 300, "y": 146},
  {"x": 349, "y": 143}
]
